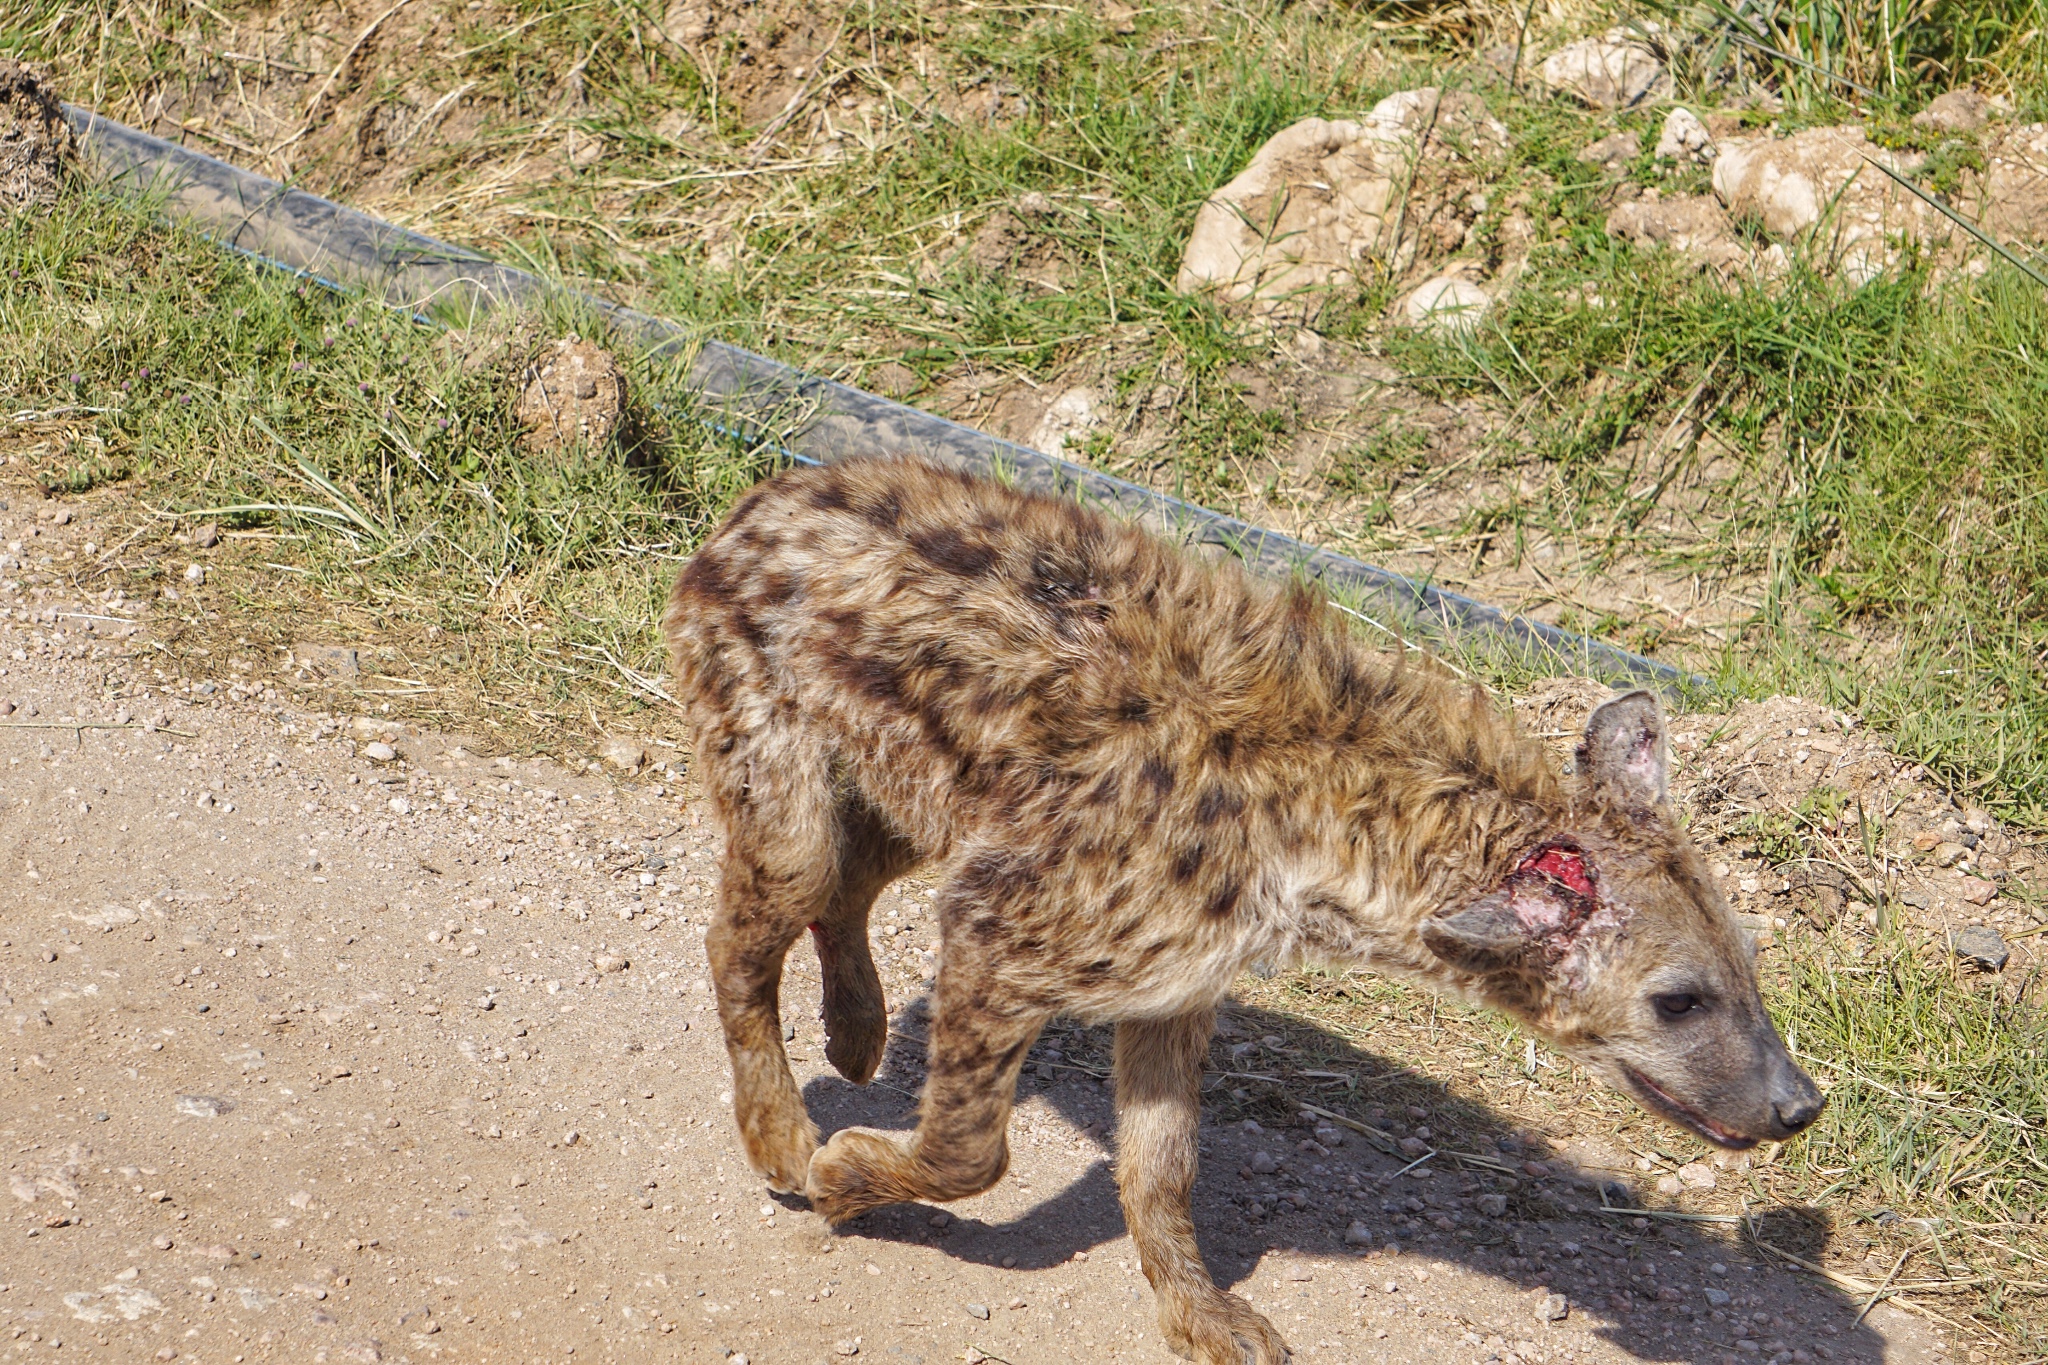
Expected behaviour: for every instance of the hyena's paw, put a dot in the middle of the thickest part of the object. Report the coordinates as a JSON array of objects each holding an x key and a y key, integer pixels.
[
  {"x": 858, "y": 1170},
  {"x": 1222, "y": 1330},
  {"x": 779, "y": 1147},
  {"x": 855, "y": 1042}
]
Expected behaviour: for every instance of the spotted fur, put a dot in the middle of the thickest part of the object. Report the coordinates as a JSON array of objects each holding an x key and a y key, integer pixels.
[{"x": 1137, "y": 774}]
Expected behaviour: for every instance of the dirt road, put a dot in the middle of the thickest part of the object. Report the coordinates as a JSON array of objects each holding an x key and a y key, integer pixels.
[{"x": 321, "y": 1050}]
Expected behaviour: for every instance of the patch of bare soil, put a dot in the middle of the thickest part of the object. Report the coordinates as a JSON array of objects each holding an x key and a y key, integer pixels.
[
  {"x": 326, "y": 1034},
  {"x": 35, "y": 142}
]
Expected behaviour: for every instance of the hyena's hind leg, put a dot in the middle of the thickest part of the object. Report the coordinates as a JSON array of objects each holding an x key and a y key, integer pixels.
[
  {"x": 774, "y": 794},
  {"x": 871, "y": 855},
  {"x": 980, "y": 1031}
]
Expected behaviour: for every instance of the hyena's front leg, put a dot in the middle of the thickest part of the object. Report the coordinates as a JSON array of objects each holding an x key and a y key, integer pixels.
[
  {"x": 961, "y": 1147},
  {"x": 1158, "y": 1105}
]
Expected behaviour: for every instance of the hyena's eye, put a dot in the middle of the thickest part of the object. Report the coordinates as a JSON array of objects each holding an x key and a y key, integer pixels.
[{"x": 1675, "y": 1005}]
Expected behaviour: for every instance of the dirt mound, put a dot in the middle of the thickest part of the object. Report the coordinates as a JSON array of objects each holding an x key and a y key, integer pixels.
[
  {"x": 575, "y": 394},
  {"x": 1325, "y": 201},
  {"x": 1801, "y": 812},
  {"x": 35, "y": 141}
]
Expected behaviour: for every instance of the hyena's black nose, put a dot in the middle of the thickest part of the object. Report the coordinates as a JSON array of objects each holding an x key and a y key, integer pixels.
[{"x": 1796, "y": 1104}]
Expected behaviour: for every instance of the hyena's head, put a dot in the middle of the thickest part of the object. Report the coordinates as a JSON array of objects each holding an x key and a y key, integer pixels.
[{"x": 1608, "y": 936}]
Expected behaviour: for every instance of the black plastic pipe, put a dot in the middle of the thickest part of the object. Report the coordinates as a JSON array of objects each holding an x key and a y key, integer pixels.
[{"x": 812, "y": 419}]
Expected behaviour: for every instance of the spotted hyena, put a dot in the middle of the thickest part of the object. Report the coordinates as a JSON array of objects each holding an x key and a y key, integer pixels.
[{"x": 1135, "y": 774}]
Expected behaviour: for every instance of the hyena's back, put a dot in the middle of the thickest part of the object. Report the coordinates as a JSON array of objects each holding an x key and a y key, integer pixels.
[{"x": 969, "y": 656}]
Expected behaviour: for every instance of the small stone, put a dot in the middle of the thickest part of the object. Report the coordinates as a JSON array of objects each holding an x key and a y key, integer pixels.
[
  {"x": 1553, "y": 1308},
  {"x": 1981, "y": 945},
  {"x": 162, "y": 1243},
  {"x": 400, "y": 806},
  {"x": 571, "y": 1138},
  {"x": 1413, "y": 1147},
  {"x": 610, "y": 962},
  {"x": 1613, "y": 152},
  {"x": 195, "y": 574},
  {"x": 206, "y": 536},
  {"x": 978, "y": 1311},
  {"x": 1718, "y": 1298},
  {"x": 1976, "y": 890},
  {"x": 379, "y": 752},
  {"x": 1358, "y": 1235},
  {"x": 1685, "y": 138},
  {"x": 1948, "y": 854},
  {"x": 1492, "y": 1205},
  {"x": 328, "y": 661},
  {"x": 1697, "y": 1175},
  {"x": 1262, "y": 1163},
  {"x": 203, "y": 1106},
  {"x": 1670, "y": 1184},
  {"x": 846, "y": 1346},
  {"x": 1447, "y": 303},
  {"x": 626, "y": 755}
]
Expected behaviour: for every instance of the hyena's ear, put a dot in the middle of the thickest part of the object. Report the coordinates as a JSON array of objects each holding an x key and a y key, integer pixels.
[
  {"x": 1484, "y": 937},
  {"x": 1622, "y": 754},
  {"x": 1528, "y": 922}
]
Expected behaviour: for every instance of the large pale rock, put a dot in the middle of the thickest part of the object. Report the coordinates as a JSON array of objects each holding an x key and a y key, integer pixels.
[
  {"x": 574, "y": 394},
  {"x": 1325, "y": 197},
  {"x": 1827, "y": 185},
  {"x": 1613, "y": 72}
]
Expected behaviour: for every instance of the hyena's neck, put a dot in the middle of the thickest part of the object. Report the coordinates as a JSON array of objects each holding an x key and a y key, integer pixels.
[{"x": 1427, "y": 805}]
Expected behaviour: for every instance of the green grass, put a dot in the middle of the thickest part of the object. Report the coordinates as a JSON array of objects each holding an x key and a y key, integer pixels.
[
  {"x": 387, "y": 457},
  {"x": 1889, "y": 488}
]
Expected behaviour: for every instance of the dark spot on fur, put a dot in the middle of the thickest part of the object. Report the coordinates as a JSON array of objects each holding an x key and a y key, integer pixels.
[
  {"x": 1217, "y": 803},
  {"x": 885, "y": 512},
  {"x": 778, "y": 589},
  {"x": 949, "y": 550},
  {"x": 1104, "y": 791},
  {"x": 995, "y": 877},
  {"x": 1225, "y": 900},
  {"x": 1187, "y": 863},
  {"x": 829, "y": 495},
  {"x": 1155, "y": 774},
  {"x": 1223, "y": 744},
  {"x": 872, "y": 678},
  {"x": 704, "y": 578},
  {"x": 1134, "y": 709}
]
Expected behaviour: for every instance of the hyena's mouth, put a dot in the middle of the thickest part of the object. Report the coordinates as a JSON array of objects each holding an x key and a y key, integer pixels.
[{"x": 1683, "y": 1114}]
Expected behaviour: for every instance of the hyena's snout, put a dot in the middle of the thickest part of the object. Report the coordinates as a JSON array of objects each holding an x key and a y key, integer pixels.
[{"x": 1795, "y": 1100}]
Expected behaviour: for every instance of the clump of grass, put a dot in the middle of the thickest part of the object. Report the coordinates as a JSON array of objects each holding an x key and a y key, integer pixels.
[
  {"x": 1881, "y": 486},
  {"x": 1823, "y": 52},
  {"x": 390, "y": 455}
]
